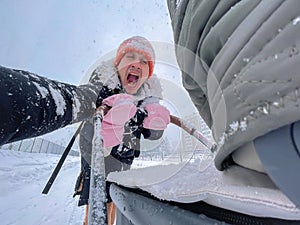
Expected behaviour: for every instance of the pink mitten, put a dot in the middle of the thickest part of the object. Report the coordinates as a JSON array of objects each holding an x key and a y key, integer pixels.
[
  {"x": 158, "y": 117},
  {"x": 122, "y": 109}
]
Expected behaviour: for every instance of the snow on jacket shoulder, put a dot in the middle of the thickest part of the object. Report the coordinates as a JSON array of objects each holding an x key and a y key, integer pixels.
[
  {"x": 240, "y": 65},
  {"x": 106, "y": 74},
  {"x": 33, "y": 105}
]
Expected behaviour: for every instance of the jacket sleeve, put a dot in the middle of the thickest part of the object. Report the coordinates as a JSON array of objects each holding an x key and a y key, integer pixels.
[{"x": 32, "y": 105}]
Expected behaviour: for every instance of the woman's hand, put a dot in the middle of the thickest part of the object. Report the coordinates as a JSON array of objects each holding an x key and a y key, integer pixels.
[
  {"x": 122, "y": 109},
  {"x": 158, "y": 117}
]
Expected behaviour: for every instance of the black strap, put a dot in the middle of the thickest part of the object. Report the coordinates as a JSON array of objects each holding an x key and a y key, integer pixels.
[{"x": 61, "y": 161}]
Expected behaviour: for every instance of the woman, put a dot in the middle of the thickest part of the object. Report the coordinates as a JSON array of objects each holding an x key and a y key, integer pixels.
[{"x": 130, "y": 88}]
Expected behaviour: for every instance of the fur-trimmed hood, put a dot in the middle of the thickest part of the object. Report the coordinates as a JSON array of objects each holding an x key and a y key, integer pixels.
[{"x": 109, "y": 77}]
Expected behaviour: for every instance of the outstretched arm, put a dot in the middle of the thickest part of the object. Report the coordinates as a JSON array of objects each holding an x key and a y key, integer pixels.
[{"x": 32, "y": 105}]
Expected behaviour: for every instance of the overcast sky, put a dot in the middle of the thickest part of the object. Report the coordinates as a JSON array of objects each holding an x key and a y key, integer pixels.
[{"x": 62, "y": 39}]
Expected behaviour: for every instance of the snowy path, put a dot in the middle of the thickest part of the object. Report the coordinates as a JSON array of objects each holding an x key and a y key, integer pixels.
[{"x": 23, "y": 177}]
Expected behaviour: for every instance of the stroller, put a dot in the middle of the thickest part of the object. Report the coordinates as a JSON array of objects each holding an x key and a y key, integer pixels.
[{"x": 239, "y": 61}]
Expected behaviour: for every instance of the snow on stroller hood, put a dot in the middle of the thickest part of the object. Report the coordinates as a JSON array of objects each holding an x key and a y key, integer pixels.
[{"x": 236, "y": 189}]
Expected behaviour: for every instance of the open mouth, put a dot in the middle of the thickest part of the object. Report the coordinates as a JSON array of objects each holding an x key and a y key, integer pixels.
[{"x": 132, "y": 79}]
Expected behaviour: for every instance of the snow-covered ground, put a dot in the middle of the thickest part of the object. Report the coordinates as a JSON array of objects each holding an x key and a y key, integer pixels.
[{"x": 23, "y": 177}]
